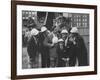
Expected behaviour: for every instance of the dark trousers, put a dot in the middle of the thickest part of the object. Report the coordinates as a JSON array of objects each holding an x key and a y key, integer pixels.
[
  {"x": 82, "y": 60},
  {"x": 32, "y": 57},
  {"x": 61, "y": 63},
  {"x": 72, "y": 60},
  {"x": 72, "y": 55},
  {"x": 45, "y": 59}
]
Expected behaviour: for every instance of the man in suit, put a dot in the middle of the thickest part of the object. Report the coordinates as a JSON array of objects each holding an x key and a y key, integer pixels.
[
  {"x": 60, "y": 52},
  {"x": 81, "y": 50},
  {"x": 44, "y": 47},
  {"x": 32, "y": 47}
]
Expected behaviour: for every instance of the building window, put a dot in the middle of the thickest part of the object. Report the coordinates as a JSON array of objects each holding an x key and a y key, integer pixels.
[{"x": 80, "y": 20}]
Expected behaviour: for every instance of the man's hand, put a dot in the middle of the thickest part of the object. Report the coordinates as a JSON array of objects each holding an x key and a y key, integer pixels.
[{"x": 52, "y": 44}]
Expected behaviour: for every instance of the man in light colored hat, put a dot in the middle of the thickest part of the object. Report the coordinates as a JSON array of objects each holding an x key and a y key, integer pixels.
[
  {"x": 43, "y": 29},
  {"x": 34, "y": 32},
  {"x": 70, "y": 47},
  {"x": 80, "y": 50},
  {"x": 61, "y": 43},
  {"x": 64, "y": 34},
  {"x": 32, "y": 47},
  {"x": 74, "y": 30},
  {"x": 60, "y": 52},
  {"x": 44, "y": 47}
]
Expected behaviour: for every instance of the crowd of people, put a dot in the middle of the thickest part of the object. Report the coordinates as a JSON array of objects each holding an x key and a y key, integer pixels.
[{"x": 61, "y": 47}]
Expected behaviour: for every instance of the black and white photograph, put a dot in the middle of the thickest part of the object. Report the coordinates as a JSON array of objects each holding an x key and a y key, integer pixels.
[
  {"x": 51, "y": 40},
  {"x": 54, "y": 39}
]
